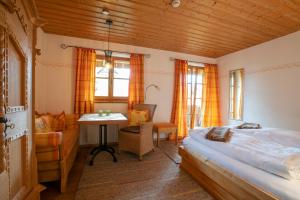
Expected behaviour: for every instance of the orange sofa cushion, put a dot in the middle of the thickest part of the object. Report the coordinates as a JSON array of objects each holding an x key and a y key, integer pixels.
[
  {"x": 49, "y": 139},
  {"x": 43, "y": 123},
  {"x": 49, "y": 122},
  {"x": 59, "y": 122}
]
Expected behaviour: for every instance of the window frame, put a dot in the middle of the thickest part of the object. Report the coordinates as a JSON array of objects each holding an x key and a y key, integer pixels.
[
  {"x": 110, "y": 98},
  {"x": 190, "y": 67},
  {"x": 232, "y": 100}
]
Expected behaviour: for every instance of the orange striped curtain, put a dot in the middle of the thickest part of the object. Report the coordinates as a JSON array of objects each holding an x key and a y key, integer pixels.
[
  {"x": 85, "y": 81},
  {"x": 136, "y": 80},
  {"x": 210, "y": 97},
  {"x": 179, "y": 107}
]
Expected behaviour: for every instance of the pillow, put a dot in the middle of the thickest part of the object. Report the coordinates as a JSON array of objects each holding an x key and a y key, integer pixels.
[
  {"x": 37, "y": 114},
  {"x": 43, "y": 124},
  {"x": 138, "y": 116},
  {"x": 220, "y": 134},
  {"x": 249, "y": 126},
  {"x": 59, "y": 122}
]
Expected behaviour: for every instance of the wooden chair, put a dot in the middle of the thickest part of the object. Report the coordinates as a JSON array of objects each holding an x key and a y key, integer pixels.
[{"x": 138, "y": 139}]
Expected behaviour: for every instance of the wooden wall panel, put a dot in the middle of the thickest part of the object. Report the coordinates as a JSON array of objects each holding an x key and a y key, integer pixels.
[{"x": 202, "y": 27}]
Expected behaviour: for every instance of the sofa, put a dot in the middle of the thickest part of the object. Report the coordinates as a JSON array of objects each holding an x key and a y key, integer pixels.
[{"x": 57, "y": 142}]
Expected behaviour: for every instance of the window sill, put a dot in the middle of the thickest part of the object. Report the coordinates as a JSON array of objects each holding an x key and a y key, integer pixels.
[{"x": 111, "y": 101}]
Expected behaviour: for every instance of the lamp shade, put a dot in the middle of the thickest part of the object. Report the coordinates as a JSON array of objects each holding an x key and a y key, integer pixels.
[{"x": 108, "y": 58}]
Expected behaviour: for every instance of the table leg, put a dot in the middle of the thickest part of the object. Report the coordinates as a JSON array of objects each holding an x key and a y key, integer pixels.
[
  {"x": 99, "y": 141},
  {"x": 102, "y": 145}
]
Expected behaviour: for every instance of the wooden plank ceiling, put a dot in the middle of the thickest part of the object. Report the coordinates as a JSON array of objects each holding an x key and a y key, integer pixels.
[{"x": 202, "y": 27}]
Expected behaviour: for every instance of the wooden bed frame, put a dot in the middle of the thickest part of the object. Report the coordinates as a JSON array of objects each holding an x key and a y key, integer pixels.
[{"x": 219, "y": 182}]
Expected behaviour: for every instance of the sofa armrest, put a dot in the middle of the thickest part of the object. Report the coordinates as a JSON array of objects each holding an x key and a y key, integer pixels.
[
  {"x": 50, "y": 139},
  {"x": 70, "y": 141},
  {"x": 71, "y": 121}
]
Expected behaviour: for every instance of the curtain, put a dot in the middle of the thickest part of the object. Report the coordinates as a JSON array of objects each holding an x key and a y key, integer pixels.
[
  {"x": 136, "y": 80},
  {"x": 85, "y": 81},
  {"x": 194, "y": 87},
  {"x": 179, "y": 107},
  {"x": 210, "y": 97}
]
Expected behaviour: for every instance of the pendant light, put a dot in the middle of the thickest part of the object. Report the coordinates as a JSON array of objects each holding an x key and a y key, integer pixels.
[
  {"x": 175, "y": 3},
  {"x": 108, "y": 53}
]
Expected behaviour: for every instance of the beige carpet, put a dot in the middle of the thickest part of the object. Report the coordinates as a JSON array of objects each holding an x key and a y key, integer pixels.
[
  {"x": 157, "y": 177},
  {"x": 171, "y": 150}
]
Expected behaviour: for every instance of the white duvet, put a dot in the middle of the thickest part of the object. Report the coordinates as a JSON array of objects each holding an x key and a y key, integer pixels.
[{"x": 273, "y": 150}]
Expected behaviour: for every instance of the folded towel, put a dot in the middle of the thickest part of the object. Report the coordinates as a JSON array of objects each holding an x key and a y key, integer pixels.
[
  {"x": 249, "y": 126},
  {"x": 220, "y": 134}
]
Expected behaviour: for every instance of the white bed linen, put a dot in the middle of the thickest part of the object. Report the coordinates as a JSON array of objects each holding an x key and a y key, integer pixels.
[
  {"x": 273, "y": 150},
  {"x": 280, "y": 187}
]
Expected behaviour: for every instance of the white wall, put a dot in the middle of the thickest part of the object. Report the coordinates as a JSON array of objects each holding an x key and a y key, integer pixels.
[
  {"x": 55, "y": 76},
  {"x": 272, "y": 80}
]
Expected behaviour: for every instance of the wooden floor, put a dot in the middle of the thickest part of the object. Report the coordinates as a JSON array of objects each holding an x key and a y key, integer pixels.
[{"x": 156, "y": 177}]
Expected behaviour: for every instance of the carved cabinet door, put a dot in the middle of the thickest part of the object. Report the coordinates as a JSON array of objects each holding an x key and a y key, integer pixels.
[{"x": 16, "y": 143}]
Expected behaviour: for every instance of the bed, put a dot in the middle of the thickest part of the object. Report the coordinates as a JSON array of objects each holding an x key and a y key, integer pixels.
[{"x": 227, "y": 177}]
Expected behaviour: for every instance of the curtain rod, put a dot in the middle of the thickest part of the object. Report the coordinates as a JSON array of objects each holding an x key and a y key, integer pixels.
[
  {"x": 64, "y": 46},
  {"x": 172, "y": 59}
]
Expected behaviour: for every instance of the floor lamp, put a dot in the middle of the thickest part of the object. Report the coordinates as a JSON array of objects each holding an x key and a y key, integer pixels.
[{"x": 149, "y": 86}]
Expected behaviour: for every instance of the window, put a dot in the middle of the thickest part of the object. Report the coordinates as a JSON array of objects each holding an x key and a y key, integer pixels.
[
  {"x": 236, "y": 78},
  {"x": 194, "y": 99},
  {"x": 111, "y": 84}
]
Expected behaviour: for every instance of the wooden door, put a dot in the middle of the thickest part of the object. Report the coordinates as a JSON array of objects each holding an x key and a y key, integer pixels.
[{"x": 17, "y": 159}]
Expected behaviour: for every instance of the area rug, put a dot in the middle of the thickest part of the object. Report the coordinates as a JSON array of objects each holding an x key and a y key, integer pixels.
[
  {"x": 157, "y": 177},
  {"x": 171, "y": 150}
]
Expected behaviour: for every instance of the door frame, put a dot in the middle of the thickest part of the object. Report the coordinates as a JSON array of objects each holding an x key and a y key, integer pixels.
[{"x": 2, "y": 100}]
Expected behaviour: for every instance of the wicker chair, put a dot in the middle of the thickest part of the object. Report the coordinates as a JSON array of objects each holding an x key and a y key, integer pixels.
[{"x": 138, "y": 139}]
